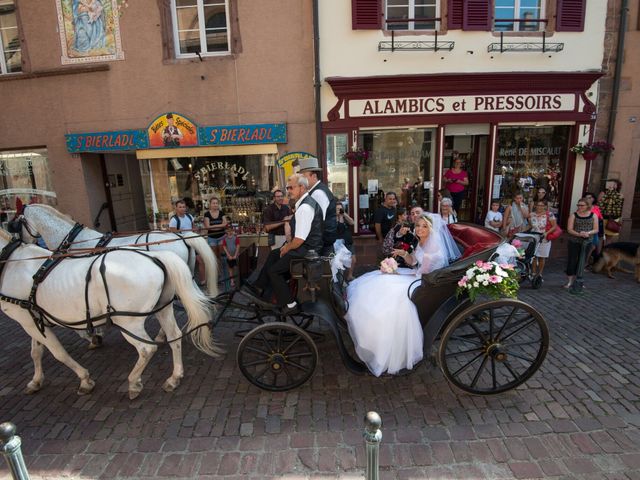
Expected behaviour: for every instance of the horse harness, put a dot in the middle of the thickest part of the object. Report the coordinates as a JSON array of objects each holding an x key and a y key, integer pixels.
[{"x": 43, "y": 319}]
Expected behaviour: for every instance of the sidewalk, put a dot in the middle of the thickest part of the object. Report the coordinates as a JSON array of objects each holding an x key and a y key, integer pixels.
[{"x": 578, "y": 417}]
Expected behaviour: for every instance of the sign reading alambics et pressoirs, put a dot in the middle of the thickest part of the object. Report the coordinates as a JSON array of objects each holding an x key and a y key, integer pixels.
[{"x": 172, "y": 130}]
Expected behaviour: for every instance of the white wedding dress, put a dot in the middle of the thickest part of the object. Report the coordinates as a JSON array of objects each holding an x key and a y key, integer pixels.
[{"x": 383, "y": 321}]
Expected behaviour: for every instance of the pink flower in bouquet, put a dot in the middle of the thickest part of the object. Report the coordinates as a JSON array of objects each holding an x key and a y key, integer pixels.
[
  {"x": 494, "y": 279},
  {"x": 479, "y": 263},
  {"x": 516, "y": 243},
  {"x": 506, "y": 266},
  {"x": 463, "y": 281},
  {"x": 389, "y": 265}
]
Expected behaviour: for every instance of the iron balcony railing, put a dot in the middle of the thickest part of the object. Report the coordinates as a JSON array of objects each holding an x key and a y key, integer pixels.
[{"x": 409, "y": 45}]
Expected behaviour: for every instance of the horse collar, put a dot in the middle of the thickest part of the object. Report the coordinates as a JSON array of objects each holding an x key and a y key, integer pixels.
[
  {"x": 68, "y": 240},
  {"x": 7, "y": 251}
]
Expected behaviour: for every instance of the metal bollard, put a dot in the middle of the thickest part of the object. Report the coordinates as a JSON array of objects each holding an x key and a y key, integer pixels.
[
  {"x": 372, "y": 437},
  {"x": 10, "y": 446}
]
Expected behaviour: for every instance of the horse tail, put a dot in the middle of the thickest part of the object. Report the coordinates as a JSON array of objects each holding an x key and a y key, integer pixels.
[
  {"x": 195, "y": 303},
  {"x": 202, "y": 248}
]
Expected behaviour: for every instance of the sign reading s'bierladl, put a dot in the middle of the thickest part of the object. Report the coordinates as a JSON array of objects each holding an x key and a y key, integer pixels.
[{"x": 172, "y": 130}]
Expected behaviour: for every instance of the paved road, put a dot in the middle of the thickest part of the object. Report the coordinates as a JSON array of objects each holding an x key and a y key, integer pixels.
[{"x": 577, "y": 418}]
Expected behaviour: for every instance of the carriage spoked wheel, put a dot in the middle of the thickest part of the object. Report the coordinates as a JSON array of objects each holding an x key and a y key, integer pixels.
[
  {"x": 494, "y": 346},
  {"x": 277, "y": 356}
]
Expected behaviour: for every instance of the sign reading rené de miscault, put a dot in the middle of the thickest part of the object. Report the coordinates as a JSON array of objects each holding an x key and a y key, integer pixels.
[
  {"x": 106, "y": 141},
  {"x": 243, "y": 134},
  {"x": 443, "y": 105}
]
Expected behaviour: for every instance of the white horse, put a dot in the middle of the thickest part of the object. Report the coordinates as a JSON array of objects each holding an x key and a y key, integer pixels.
[
  {"x": 54, "y": 226},
  {"x": 134, "y": 282}
]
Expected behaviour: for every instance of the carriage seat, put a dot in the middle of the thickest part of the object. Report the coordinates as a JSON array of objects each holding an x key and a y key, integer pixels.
[{"x": 473, "y": 239}]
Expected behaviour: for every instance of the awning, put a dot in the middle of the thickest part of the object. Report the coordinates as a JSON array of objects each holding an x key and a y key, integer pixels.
[{"x": 151, "y": 153}]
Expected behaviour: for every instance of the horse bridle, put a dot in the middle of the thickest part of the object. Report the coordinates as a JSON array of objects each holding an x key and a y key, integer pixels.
[{"x": 24, "y": 226}]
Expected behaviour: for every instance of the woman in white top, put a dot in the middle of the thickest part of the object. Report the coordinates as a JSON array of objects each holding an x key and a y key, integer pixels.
[
  {"x": 383, "y": 321},
  {"x": 447, "y": 212}
]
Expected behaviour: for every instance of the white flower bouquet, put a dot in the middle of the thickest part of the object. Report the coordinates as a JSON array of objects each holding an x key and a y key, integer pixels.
[
  {"x": 389, "y": 265},
  {"x": 491, "y": 279}
]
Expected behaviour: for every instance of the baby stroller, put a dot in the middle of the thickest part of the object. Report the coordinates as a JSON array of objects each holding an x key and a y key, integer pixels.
[{"x": 527, "y": 244}]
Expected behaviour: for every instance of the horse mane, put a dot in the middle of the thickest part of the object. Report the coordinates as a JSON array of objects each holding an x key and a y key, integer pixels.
[{"x": 54, "y": 212}]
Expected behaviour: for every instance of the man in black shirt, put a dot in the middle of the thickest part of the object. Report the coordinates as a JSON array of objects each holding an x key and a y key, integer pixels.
[
  {"x": 274, "y": 217},
  {"x": 385, "y": 216}
]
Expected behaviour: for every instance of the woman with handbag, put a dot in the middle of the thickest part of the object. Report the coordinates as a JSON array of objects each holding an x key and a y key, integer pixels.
[
  {"x": 516, "y": 216},
  {"x": 581, "y": 227},
  {"x": 596, "y": 248},
  {"x": 545, "y": 224}
]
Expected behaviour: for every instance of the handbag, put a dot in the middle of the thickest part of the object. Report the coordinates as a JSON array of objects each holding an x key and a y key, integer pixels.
[
  {"x": 556, "y": 233},
  {"x": 613, "y": 226}
]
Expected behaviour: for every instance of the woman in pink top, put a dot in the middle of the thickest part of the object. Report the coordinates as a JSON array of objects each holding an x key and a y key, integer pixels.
[{"x": 456, "y": 180}]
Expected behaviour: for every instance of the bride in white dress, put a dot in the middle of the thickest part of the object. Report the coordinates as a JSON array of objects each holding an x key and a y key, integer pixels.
[{"x": 383, "y": 321}]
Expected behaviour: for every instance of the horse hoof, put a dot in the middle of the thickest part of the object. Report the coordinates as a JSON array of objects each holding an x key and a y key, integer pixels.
[
  {"x": 32, "y": 387},
  {"x": 96, "y": 342},
  {"x": 170, "y": 386},
  {"x": 86, "y": 386}
]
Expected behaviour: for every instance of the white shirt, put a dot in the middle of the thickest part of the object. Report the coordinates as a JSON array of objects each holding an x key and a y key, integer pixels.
[
  {"x": 185, "y": 223},
  {"x": 492, "y": 217},
  {"x": 304, "y": 217},
  {"x": 320, "y": 197}
]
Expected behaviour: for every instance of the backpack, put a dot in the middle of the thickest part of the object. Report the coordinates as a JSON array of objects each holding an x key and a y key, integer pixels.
[{"x": 188, "y": 215}]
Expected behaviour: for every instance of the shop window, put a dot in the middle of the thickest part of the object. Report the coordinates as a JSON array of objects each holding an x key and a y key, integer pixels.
[
  {"x": 412, "y": 14},
  {"x": 24, "y": 179},
  {"x": 337, "y": 168},
  {"x": 243, "y": 183},
  {"x": 528, "y": 158},
  {"x": 10, "y": 52},
  {"x": 399, "y": 161},
  {"x": 200, "y": 27},
  {"x": 516, "y": 15}
]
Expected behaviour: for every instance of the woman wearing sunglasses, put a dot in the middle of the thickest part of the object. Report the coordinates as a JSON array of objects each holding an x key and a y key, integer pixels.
[{"x": 582, "y": 226}]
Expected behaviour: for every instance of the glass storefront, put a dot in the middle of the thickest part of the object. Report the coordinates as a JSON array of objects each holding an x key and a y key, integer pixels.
[
  {"x": 400, "y": 161},
  {"x": 242, "y": 183},
  {"x": 528, "y": 158},
  {"x": 24, "y": 175}
]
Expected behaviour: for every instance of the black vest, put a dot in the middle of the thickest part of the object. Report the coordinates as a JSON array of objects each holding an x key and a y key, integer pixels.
[
  {"x": 330, "y": 232},
  {"x": 314, "y": 239}
]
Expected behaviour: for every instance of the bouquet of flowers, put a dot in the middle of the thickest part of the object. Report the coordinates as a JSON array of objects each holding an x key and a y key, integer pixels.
[
  {"x": 491, "y": 279},
  {"x": 389, "y": 265},
  {"x": 356, "y": 157},
  {"x": 592, "y": 149}
]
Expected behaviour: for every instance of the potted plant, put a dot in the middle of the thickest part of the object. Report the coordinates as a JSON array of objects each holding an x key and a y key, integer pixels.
[
  {"x": 356, "y": 157},
  {"x": 589, "y": 151}
]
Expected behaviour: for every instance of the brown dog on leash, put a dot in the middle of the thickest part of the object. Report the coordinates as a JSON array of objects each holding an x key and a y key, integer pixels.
[{"x": 613, "y": 253}]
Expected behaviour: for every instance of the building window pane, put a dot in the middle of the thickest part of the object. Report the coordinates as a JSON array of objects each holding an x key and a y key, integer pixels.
[
  {"x": 201, "y": 27},
  {"x": 400, "y": 161},
  {"x": 409, "y": 10},
  {"x": 24, "y": 175},
  {"x": 528, "y": 158},
  {"x": 10, "y": 54},
  {"x": 507, "y": 10},
  {"x": 337, "y": 168}
]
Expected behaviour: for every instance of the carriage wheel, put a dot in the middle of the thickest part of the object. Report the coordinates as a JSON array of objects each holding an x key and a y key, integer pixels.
[
  {"x": 277, "y": 356},
  {"x": 494, "y": 346}
]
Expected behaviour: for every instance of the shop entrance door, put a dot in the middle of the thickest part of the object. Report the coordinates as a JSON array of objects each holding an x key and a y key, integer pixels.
[
  {"x": 469, "y": 144},
  {"x": 127, "y": 200}
]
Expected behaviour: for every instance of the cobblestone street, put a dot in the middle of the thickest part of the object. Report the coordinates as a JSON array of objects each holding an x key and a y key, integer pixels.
[{"x": 578, "y": 417}]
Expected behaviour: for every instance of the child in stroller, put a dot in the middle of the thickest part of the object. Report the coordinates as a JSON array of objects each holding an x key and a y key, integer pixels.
[{"x": 527, "y": 244}]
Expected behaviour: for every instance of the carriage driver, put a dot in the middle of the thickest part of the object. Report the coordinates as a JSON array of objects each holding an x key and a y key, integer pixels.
[
  {"x": 306, "y": 228},
  {"x": 311, "y": 169}
]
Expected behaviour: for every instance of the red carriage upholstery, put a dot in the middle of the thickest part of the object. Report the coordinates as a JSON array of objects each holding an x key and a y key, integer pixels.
[{"x": 473, "y": 239}]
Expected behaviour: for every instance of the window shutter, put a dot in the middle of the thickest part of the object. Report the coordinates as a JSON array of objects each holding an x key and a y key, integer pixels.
[
  {"x": 366, "y": 14},
  {"x": 456, "y": 13},
  {"x": 570, "y": 16},
  {"x": 477, "y": 15}
]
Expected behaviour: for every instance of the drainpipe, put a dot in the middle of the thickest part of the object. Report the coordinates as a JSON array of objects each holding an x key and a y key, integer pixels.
[
  {"x": 616, "y": 87},
  {"x": 317, "y": 83}
]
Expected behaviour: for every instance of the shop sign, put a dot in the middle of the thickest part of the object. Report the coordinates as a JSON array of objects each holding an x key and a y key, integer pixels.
[
  {"x": 243, "y": 134},
  {"x": 106, "y": 141},
  {"x": 231, "y": 169},
  {"x": 287, "y": 160},
  {"x": 529, "y": 152},
  {"x": 443, "y": 105},
  {"x": 172, "y": 130}
]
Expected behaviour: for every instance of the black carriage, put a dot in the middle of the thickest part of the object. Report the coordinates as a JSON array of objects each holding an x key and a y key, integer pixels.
[{"x": 483, "y": 347}]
